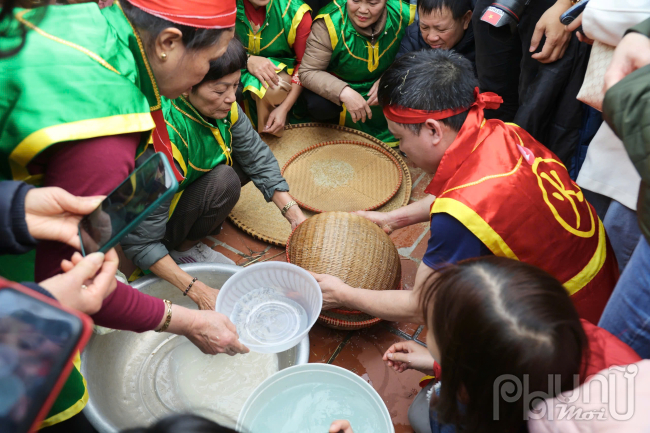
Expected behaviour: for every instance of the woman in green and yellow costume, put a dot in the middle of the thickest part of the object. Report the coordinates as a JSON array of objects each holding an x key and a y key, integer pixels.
[
  {"x": 80, "y": 93},
  {"x": 217, "y": 149},
  {"x": 275, "y": 33},
  {"x": 352, "y": 43}
]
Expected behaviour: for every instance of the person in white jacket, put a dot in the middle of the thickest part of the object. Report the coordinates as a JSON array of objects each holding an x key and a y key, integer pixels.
[{"x": 608, "y": 176}]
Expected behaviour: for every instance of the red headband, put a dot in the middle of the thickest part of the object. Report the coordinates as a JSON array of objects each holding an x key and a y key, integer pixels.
[
  {"x": 205, "y": 14},
  {"x": 406, "y": 115}
]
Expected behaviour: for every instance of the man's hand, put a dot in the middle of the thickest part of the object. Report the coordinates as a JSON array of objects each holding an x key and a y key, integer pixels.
[
  {"x": 356, "y": 105},
  {"x": 53, "y": 214},
  {"x": 264, "y": 70},
  {"x": 214, "y": 333},
  {"x": 557, "y": 39},
  {"x": 86, "y": 281},
  {"x": 341, "y": 426},
  {"x": 632, "y": 53},
  {"x": 276, "y": 121},
  {"x": 372, "y": 94},
  {"x": 203, "y": 295},
  {"x": 382, "y": 219},
  {"x": 331, "y": 288},
  {"x": 409, "y": 355}
]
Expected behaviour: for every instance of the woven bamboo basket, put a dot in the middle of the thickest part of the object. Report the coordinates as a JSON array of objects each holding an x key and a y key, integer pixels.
[{"x": 351, "y": 248}]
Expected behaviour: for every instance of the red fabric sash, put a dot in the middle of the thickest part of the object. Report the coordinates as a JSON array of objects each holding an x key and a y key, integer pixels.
[
  {"x": 405, "y": 115},
  {"x": 161, "y": 142}
]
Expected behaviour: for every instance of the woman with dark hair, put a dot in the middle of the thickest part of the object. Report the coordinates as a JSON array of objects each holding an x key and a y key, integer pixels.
[
  {"x": 183, "y": 424},
  {"x": 79, "y": 98},
  {"x": 217, "y": 150},
  {"x": 495, "y": 323}
]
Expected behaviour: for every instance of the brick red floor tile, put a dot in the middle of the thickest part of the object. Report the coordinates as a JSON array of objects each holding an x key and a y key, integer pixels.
[
  {"x": 423, "y": 335},
  {"x": 418, "y": 190},
  {"x": 232, "y": 256},
  {"x": 323, "y": 342},
  {"x": 232, "y": 236},
  {"x": 363, "y": 355},
  {"x": 421, "y": 248},
  {"x": 406, "y": 237},
  {"x": 409, "y": 269},
  {"x": 406, "y": 327}
]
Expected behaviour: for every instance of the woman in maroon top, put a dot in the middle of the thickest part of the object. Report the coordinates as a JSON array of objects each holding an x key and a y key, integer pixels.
[{"x": 95, "y": 166}]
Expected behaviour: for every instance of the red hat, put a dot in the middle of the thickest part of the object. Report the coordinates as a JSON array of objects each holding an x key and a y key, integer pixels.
[{"x": 205, "y": 14}]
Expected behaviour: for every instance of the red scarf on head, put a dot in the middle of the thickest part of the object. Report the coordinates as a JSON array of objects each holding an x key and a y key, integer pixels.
[
  {"x": 405, "y": 115},
  {"x": 205, "y": 14}
]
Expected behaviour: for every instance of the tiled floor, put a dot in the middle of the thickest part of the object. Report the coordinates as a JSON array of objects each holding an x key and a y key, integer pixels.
[{"x": 358, "y": 351}]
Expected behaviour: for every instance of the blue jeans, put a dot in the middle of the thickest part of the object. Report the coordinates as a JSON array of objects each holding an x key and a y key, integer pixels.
[
  {"x": 627, "y": 314},
  {"x": 623, "y": 230}
]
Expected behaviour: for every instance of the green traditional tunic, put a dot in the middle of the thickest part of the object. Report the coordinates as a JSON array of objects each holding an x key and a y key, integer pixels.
[
  {"x": 198, "y": 146},
  {"x": 274, "y": 40},
  {"x": 81, "y": 74},
  {"x": 360, "y": 63}
]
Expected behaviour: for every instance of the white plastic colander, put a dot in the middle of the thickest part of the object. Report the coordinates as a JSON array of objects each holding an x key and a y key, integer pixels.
[{"x": 271, "y": 320}]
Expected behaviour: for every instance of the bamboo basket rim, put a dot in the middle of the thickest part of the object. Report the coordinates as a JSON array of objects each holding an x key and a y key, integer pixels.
[{"x": 356, "y": 143}]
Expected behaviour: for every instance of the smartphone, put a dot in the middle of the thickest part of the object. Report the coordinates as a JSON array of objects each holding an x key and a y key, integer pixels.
[
  {"x": 574, "y": 11},
  {"x": 39, "y": 340},
  {"x": 122, "y": 210}
]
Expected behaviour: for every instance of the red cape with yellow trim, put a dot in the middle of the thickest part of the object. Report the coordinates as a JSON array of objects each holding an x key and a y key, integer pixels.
[{"x": 516, "y": 196}]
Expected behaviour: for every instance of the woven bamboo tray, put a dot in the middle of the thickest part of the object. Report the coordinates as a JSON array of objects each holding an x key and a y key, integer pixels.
[
  {"x": 263, "y": 220},
  {"x": 351, "y": 248},
  {"x": 343, "y": 176}
]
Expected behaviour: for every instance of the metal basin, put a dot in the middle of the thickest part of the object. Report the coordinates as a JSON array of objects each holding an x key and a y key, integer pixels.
[{"x": 120, "y": 368}]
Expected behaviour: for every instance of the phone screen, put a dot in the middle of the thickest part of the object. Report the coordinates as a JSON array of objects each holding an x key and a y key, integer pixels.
[
  {"x": 125, "y": 204},
  {"x": 36, "y": 340}
]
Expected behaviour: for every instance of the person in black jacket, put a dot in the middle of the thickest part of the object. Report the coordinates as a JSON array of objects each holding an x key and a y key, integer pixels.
[{"x": 445, "y": 24}]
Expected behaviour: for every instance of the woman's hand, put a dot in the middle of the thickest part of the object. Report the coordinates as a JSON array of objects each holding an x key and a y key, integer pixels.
[
  {"x": 295, "y": 216},
  {"x": 632, "y": 53},
  {"x": 356, "y": 105},
  {"x": 409, "y": 355},
  {"x": 341, "y": 425},
  {"x": 203, "y": 295},
  {"x": 372, "y": 94},
  {"x": 213, "y": 333},
  {"x": 277, "y": 120},
  {"x": 557, "y": 40},
  {"x": 53, "y": 214},
  {"x": 264, "y": 70},
  {"x": 382, "y": 219},
  {"x": 96, "y": 272}
]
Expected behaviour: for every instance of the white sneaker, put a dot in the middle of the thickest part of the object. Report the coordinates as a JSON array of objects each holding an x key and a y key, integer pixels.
[{"x": 199, "y": 253}]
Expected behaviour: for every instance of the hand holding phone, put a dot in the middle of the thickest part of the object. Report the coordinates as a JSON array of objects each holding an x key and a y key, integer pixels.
[
  {"x": 52, "y": 213},
  {"x": 86, "y": 281},
  {"x": 573, "y": 13},
  {"x": 128, "y": 205}
]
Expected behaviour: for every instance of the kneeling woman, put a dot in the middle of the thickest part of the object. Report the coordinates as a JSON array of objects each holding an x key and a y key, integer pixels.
[
  {"x": 350, "y": 46},
  {"x": 216, "y": 148}
]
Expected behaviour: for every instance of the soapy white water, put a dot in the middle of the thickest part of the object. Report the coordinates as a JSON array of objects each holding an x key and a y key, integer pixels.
[
  {"x": 311, "y": 408},
  {"x": 266, "y": 317},
  {"x": 217, "y": 386}
]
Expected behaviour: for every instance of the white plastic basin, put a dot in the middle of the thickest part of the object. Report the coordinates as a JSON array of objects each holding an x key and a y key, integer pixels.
[{"x": 271, "y": 321}]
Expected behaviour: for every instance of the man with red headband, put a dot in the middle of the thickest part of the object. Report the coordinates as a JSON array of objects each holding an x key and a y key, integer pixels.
[{"x": 495, "y": 191}]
